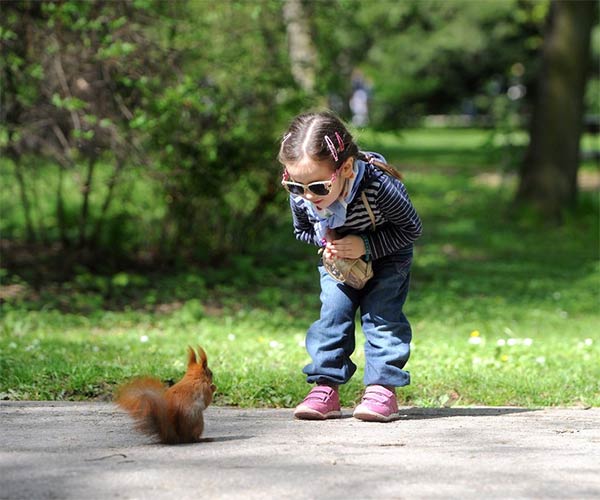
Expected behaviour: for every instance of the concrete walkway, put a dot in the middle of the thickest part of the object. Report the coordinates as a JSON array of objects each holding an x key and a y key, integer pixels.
[{"x": 89, "y": 450}]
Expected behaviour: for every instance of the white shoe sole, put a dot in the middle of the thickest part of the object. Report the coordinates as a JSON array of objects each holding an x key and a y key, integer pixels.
[
  {"x": 306, "y": 413},
  {"x": 370, "y": 416}
]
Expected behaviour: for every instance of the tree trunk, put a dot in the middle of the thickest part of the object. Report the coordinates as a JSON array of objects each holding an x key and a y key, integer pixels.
[
  {"x": 24, "y": 199},
  {"x": 85, "y": 206},
  {"x": 97, "y": 232},
  {"x": 548, "y": 176},
  {"x": 303, "y": 55},
  {"x": 60, "y": 208}
]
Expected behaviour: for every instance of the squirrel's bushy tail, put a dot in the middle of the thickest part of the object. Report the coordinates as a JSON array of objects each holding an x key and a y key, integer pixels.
[{"x": 144, "y": 400}]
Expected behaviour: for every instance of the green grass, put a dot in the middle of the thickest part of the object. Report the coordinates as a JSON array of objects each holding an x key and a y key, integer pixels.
[{"x": 504, "y": 310}]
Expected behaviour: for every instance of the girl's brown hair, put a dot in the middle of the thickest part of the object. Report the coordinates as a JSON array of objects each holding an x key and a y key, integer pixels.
[{"x": 315, "y": 134}]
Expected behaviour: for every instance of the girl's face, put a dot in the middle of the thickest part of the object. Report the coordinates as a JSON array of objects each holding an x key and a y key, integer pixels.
[{"x": 307, "y": 171}]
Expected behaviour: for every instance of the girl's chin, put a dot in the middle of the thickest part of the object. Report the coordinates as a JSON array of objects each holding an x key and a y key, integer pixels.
[{"x": 322, "y": 203}]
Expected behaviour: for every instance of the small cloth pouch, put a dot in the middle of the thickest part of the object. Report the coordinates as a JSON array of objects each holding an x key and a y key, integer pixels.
[{"x": 352, "y": 272}]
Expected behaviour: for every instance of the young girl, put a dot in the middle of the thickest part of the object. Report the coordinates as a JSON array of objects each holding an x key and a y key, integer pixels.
[{"x": 326, "y": 175}]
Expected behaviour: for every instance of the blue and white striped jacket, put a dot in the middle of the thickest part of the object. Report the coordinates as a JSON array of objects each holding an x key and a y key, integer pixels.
[{"x": 397, "y": 224}]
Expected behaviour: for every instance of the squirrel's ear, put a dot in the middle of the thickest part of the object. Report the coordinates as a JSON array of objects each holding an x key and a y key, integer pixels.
[
  {"x": 202, "y": 357},
  {"x": 191, "y": 356}
]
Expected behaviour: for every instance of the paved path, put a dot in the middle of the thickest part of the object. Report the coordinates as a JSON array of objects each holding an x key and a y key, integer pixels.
[{"x": 89, "y": 450}]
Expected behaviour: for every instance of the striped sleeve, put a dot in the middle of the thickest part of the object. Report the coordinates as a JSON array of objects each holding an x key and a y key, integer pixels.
[
  {"x": 303, "y": 228},
  {"x": 402, "y": 225}
]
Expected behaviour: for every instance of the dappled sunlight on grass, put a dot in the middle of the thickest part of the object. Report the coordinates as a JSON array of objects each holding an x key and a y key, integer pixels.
[{"x": 429, "y": 149}]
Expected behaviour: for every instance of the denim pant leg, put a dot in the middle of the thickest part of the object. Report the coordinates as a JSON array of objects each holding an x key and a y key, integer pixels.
[
  {"x": 386, "y": 328},
  {"x": 330, "y": 340}
]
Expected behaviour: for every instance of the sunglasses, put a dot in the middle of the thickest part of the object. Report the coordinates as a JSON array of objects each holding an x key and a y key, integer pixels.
[{"x": 319, "y": 188}]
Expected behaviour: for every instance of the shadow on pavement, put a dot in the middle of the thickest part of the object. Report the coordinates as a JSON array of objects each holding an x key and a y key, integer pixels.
[
  {"x": 425, "y": 413},
  {"x": 220, "y": 439}
]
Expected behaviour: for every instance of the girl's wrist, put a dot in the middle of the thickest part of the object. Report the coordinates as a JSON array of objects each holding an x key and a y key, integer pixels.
[{"x": 365, "y": 239}]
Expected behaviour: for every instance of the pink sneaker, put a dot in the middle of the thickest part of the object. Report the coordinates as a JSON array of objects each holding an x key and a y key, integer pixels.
[
  {"x": 320, "y": 403},
  {"x": 378, "y": 405}
]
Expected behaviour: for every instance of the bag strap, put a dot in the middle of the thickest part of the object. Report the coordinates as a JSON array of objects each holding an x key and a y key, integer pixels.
[{"x": 368, "y": 207}]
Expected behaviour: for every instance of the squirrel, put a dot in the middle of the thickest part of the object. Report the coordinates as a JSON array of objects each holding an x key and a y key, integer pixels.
[{"x": 172, "y": 414}]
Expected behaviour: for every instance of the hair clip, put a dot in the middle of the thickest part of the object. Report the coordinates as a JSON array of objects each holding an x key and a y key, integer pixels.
[
  {"x": 286, "y": 137},
  {"x": 331, "y": 148},
  {"x": 340, "y": 142}
]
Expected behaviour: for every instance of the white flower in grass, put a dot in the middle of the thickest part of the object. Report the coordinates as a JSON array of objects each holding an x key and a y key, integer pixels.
[
  {"x": 275, "y": 345},
  {"x": 512, "y": 342},
  {"x": 501, "y": 343},
  {"x": 144, "y": 338},
  {"x": 588, "y": 342},
  {"x": 540, "y": 360},
  {"x": 475, "y": 337},
  {"x": 527, "y": 341},
  {"x": 231, "y": 337}
]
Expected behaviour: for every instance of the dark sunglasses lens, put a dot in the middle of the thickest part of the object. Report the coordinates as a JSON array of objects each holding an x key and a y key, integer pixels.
[
  {"x": 295, "y": 189},
  {"x": 320, "y": 189}
]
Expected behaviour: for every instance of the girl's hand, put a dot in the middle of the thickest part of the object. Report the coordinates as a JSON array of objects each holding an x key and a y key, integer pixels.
[
  {"x": 348, "y": 247},
  {"x": 329, "y": 237}
]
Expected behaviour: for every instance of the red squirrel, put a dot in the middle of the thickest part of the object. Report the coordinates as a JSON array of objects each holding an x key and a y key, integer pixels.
[{"x": 172, "y": 414}]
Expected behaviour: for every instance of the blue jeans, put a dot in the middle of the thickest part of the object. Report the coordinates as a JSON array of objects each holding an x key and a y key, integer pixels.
[{"x": 330, "y": 340}]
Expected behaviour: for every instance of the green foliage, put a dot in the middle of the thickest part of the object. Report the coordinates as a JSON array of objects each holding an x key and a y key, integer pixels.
[
  {"x": 126, "y": 84},
  {"x": 429, "y": 56}
]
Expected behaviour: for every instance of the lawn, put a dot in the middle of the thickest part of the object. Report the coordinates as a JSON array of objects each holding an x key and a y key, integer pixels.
[{"x": 504, "y": 309}]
